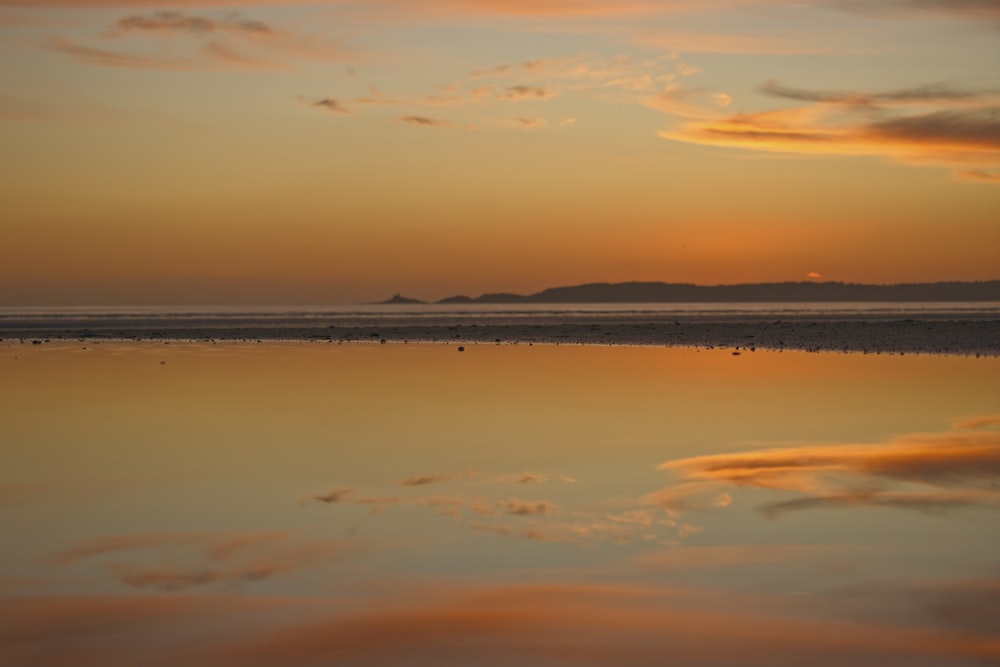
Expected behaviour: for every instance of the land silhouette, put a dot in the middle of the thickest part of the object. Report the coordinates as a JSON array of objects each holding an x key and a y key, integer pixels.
[{"x": 790, "y": 292}]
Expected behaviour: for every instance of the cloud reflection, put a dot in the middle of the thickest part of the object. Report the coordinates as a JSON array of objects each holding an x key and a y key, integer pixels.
[{"x": 924, "y": 472}]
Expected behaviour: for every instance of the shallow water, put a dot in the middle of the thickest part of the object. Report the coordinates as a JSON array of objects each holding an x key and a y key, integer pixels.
[{"x": 312, "y": 504}]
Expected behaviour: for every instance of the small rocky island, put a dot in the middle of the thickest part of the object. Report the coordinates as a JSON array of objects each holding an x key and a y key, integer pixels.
[{"x": 398, "y": 299}]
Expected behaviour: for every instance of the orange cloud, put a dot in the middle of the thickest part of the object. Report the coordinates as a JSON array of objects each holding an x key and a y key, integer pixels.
[
  {"x": 175, "y": 21},
  {"x": 528, "y": 508},
  {"x": 333, "y": 496},
  {"x": 518, "y": 93},
  {"x": 425, "y": 121},
  {"x": 434, "y": 478},
  {"x": 197, "y": 42},
  {"x": 937, "y": 125}
]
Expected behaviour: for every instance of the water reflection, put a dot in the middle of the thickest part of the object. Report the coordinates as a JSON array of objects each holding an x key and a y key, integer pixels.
[{"x": 383, "y": 505}]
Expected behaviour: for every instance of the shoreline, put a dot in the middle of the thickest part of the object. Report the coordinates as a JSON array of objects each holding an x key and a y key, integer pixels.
[{"x": 924, "y": 334}]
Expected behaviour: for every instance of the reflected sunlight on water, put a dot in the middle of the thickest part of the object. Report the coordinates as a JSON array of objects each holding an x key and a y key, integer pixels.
[{"x": 310, "y": 504}]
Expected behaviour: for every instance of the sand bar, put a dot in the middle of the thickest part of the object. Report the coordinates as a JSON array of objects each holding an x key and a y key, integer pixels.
[{"x": 929, "y": 333}]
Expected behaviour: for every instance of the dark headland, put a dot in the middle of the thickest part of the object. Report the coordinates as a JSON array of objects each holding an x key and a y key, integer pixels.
[{"x": 786, "y": 292}]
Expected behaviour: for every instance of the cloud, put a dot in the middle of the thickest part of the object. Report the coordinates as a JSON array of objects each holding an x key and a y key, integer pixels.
[
  {"x": 106, "y": 58},
  {"x": 928, "y": 94},
  {"x": 530, "y": 123},
  {"x": 935, "y": 124},
  {"x": 693, "y": 103},
  {"x": 191, "y": 42},
  {"x": 437, "y": 477},
  {"x": 930, "y": 502},
  {"x": 116, "y": 543},
  {"x": 692, "y": 496},
  {"x": 425, "y": 121},
  {"x": 922, "y": 472},
  {"x": 176, "y": 21},
  {"x": 519, "y": 93},
  {"x": 333, "y": 495},
  {"x": 167, "y": 578},
  {"x": 484, "y": 508},
  {"x": 527, "y": 508}
]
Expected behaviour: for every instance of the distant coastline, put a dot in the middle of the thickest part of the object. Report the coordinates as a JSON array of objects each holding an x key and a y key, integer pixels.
[{"x": 790, "y": 292}]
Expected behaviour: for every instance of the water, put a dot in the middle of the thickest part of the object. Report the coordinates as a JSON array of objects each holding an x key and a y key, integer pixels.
[
  {"x": 308, "y": 505},
  {"x": 295, "y": 315}
]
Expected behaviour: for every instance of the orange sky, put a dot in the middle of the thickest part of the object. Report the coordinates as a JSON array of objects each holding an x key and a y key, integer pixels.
[{"x": 209, "y": 151}]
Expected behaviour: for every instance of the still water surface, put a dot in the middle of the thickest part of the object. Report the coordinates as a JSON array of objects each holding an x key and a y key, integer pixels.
[{"x": 312, "y": 504}]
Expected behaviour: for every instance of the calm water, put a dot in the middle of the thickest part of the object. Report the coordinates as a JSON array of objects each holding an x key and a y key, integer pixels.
[
  {"x": 291, "y": 315},
  {"x": 310, "y": 504}
]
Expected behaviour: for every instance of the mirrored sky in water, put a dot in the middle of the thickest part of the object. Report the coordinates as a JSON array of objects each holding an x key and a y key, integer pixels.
[{"x": 308, "y": 504}]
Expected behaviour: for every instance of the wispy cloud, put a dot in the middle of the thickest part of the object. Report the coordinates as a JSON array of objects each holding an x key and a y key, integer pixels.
[
  {"x": 528, "y": 508},
  {"x": 333, "y": 495},
  {"x": 175, "y": 21},
  {"x": 426, "y": 121},
  {"x": 91, "y": 55},
  {"x": 191, "y": 41},
  {"x": 437, "y": 477},
  {"x": 331, "y": 105},
  {"x": 519, "y": 93},
  {"x": 936, "y": 124}
]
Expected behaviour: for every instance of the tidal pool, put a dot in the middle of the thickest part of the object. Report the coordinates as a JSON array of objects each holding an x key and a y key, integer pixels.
[{"x": 313, "y": 504}]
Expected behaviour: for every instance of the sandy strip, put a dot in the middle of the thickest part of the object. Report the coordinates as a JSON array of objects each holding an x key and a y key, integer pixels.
[{"x": 929, "y": 334}]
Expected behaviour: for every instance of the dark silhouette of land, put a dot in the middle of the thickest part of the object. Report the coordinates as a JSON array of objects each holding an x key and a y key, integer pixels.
[
  {"x": 788, "y": 292},
  {"x": 400, "y": 299}
]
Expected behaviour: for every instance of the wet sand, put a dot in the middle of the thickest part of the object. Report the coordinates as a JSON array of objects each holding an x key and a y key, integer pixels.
[{"x": 926, "y": 333}]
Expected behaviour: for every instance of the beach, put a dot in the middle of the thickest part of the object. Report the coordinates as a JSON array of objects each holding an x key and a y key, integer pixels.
[{"x": 965, "y": 333}]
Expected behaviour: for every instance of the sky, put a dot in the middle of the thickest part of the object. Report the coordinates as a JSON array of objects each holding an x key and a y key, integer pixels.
[{"x": 306, "y": 152}]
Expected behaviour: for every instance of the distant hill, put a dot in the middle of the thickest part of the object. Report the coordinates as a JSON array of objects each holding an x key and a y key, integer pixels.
[{"x": 655, "y": 292}]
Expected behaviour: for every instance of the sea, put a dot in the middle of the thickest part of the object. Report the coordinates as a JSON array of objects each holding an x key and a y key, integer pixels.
[{"x": 352, "y": 314}]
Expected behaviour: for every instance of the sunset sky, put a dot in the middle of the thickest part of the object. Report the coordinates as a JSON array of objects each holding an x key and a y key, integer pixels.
[{"x": 295, "y": 151}]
